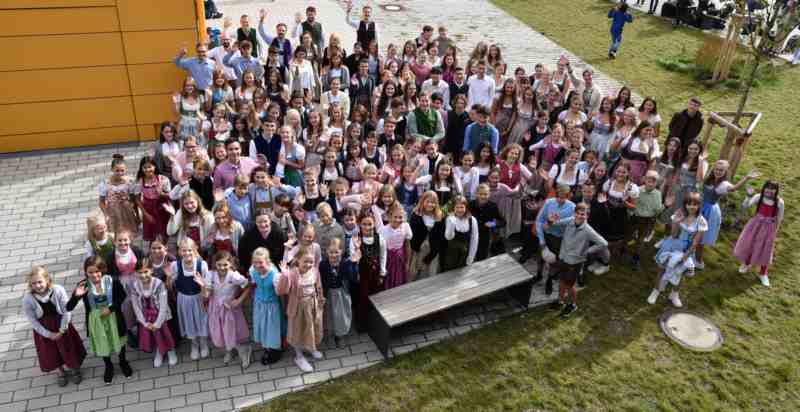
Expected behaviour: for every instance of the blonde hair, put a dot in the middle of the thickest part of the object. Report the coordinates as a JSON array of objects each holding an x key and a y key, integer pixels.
[
  {"x": 437, "y": 210},
  {"x": 187, "y": 242},
  {"x": 324, "y": 207},
  {"x": 261, "y": 253},
  {"x": 93, "y": 221},
  {"x": 39, "y": 271},
  {"x": 335, "y": 244}
]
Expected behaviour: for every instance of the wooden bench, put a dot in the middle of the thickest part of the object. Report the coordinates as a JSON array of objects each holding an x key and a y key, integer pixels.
[{"x": 403, "y": 304}]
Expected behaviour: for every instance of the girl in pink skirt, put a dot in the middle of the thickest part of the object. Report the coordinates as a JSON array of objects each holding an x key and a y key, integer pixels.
[
  {"x": 756, "y": 243},
  {"x": 148, "y": 295},
  {"x": 226, "y": 324},
  {"x": 398, "y": 235}
]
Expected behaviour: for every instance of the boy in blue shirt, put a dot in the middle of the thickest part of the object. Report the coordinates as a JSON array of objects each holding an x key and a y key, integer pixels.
[{"x": 619, "y": 16}]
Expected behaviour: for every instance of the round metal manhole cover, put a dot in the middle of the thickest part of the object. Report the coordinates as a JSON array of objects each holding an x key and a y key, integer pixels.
[
  {"x": 392, "y": 7},
  {"x": 691, "y": 331}
]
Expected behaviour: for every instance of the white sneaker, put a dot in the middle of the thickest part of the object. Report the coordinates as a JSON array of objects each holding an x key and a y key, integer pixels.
[
  {"x": 700, "y": 265},
  {"x": 227, "y": 358},
  {"x": 592, "y": 267},
  {"x": 204, "y": 352},
  {"x": 764, "y": 280},
  {"x": 649, "y": 236},
  {"x": 676, "y": 300},
  {"x": 601, "y": 269},
  {"x": 744, "y": 268},
  {"x": 195, "y": 353},
  {"x": 658, "y": 244},
  {"x": 653, "y": 296},
  {"x": 303, "y": 364},
  {"x": 172, "y": 358},
  {"x": 316, "y": 354},
  {"x": 158, "y": 360}
]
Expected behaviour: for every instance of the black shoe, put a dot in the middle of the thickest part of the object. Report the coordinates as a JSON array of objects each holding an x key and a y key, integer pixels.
[
  {"x": 126, "y": 368},
  {"x": 537, "y": 278},
  {"x": 523, "y": 258},
  {"x": 337, "y": 341},
  {"x": 274, "y": 356},
  {"x": 548, "y": 286},
  {"x": 108, "y": 375},
  {"x": 568, "y": 310},
  {"x": 265, "y": 357}
]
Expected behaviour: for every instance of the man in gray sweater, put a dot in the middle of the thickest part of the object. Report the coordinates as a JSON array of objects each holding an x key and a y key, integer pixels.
[{"x": 575, "y": 246}]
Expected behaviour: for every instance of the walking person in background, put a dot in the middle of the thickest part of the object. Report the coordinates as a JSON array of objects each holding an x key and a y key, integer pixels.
[{"x": 619, "y": 16}]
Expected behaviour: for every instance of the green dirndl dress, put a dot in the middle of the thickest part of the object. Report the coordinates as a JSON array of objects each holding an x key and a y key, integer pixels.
[{"x": 103, "y": 331}]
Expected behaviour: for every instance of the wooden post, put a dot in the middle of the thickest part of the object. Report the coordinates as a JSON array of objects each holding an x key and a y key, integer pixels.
[
  {"x": 707, "y": 133},
  {"x": 200, "y": 9}
]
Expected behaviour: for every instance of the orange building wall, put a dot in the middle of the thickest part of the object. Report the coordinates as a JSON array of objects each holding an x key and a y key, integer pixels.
[{"x": 87, "y": 72}]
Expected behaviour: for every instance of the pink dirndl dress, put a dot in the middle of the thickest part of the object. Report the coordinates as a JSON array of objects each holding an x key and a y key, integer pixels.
[
  {"x": 756, "y": 243},
  {"x": 226, "y": 325},
  {"x": 126, "y": 274},
  {"x": 160, "y": 339}
]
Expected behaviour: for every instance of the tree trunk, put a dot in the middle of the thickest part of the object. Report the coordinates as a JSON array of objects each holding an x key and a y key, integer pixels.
[{"x": 731, "y": 136}]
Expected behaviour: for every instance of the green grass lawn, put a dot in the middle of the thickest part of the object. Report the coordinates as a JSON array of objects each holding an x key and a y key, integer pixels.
[{"x": 612, "y": 355}]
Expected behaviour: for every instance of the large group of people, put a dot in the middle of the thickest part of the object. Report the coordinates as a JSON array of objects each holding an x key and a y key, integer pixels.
[{"x": 299, "y": 179}]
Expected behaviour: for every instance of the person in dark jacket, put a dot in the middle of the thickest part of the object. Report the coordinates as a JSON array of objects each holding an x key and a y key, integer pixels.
[
  {"x": 265, "y": 234},
  {"x": 600, "y": 221},
  {"x": 457, "y": 122},
  {"x": 489, "y": 220},
  {"x": 687, "y": 124}
]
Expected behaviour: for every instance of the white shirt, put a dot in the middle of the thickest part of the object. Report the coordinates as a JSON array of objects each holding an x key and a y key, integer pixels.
[
  {"x": 481, "y": 91},
  {"x": 469, "y": 180},
  {"x": 218, "y": 53},
  {"x": 442, "y": 88},
  {"x": 463, "y": 225},
  {"x": 396, "y": 238}
]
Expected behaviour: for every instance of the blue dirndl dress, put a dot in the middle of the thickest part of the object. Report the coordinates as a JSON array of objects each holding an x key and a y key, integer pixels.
[
  {"x": 670, "y": 254},
  {"x": 269, "y": 319}
]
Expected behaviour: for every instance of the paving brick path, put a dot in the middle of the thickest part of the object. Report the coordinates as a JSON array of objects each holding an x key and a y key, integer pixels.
[{"x": 46, "y": 197}]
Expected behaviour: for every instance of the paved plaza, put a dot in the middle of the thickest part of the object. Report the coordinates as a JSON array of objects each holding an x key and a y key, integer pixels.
[{"x": 46, "y": 197}]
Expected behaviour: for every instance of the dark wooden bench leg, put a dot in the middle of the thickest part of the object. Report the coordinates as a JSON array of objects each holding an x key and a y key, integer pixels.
[
  {"x": 380, "y": 332},
  {"x": 522, "y": 293}
]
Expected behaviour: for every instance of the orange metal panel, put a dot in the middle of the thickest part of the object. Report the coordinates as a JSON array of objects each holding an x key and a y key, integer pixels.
[
  {"x": 68, "y": 115},
  {"x": 154, "y": 108},
  {"x": 148, "y": 131},
  {"x": 63, "y": 84},
  {"x": 138, "y": 15},
  {"x": 35, "y": 22},
  {"x": 69, "y": 138},
  {"x": 155, "y": 78},
  {"x": 47, "y": 4},
  {"x": 157, "y": 46},
  {"x": 61, "y": 51}
]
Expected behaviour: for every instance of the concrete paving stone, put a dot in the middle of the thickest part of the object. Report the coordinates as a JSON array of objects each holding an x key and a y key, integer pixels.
[
  {"x": 244, "y": 379},
  {"x": 374, "y": 356},
  {"x": 336, "y": 353},
  {"x": 182, "y": 367},
  {"x": 274, "y": 394},
  {"x": 289, "y": 382},
  {"x": 247, "y": 401},
  {"x": 93, "y": 405},
  {"x": 154, "y": 395},
  {"x": 201, "y": 397},
  {"x": 22, "y": 395},
  {"x": 185, "y": 389},
  {"x": 327, "y": 364},
  {"x": 316, "y": 377},
  {"x": 203, "y": 375},
  {"x": 192, "y": 408},
  {"x": 362, "y": 347},
  {"x": 77, "y": 396},
  {"x": 231, "y": 392},
  {"x": 437, "y": 334},
  {"x": 13, "y": 407},
  {"x": 260, "y": 387},
  {"x": 227, "y": 371},
  {"x": 169, "y": 403},
  {"x": 399, "y": 350},
  {"x": 43, "y": 402},
  {"x": 218, "y": 406},
  {"x": 294, "y": 370},
  {"x": 139, "y": 385},
  {"x": 16, "y": 385},
  {"x": 271, "y": 374},
  {"x": 413, "y": 339},
  {"x": 171, "y": 380},
  {"x": 122, "y": 400},
  {"x": 110, "y": 390},
  {"x": 6, "y": 397},
  {"x": 214, "y": 384},
  {"x": 354, "y": 359},
  {"x": 61, "y": 408}
]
